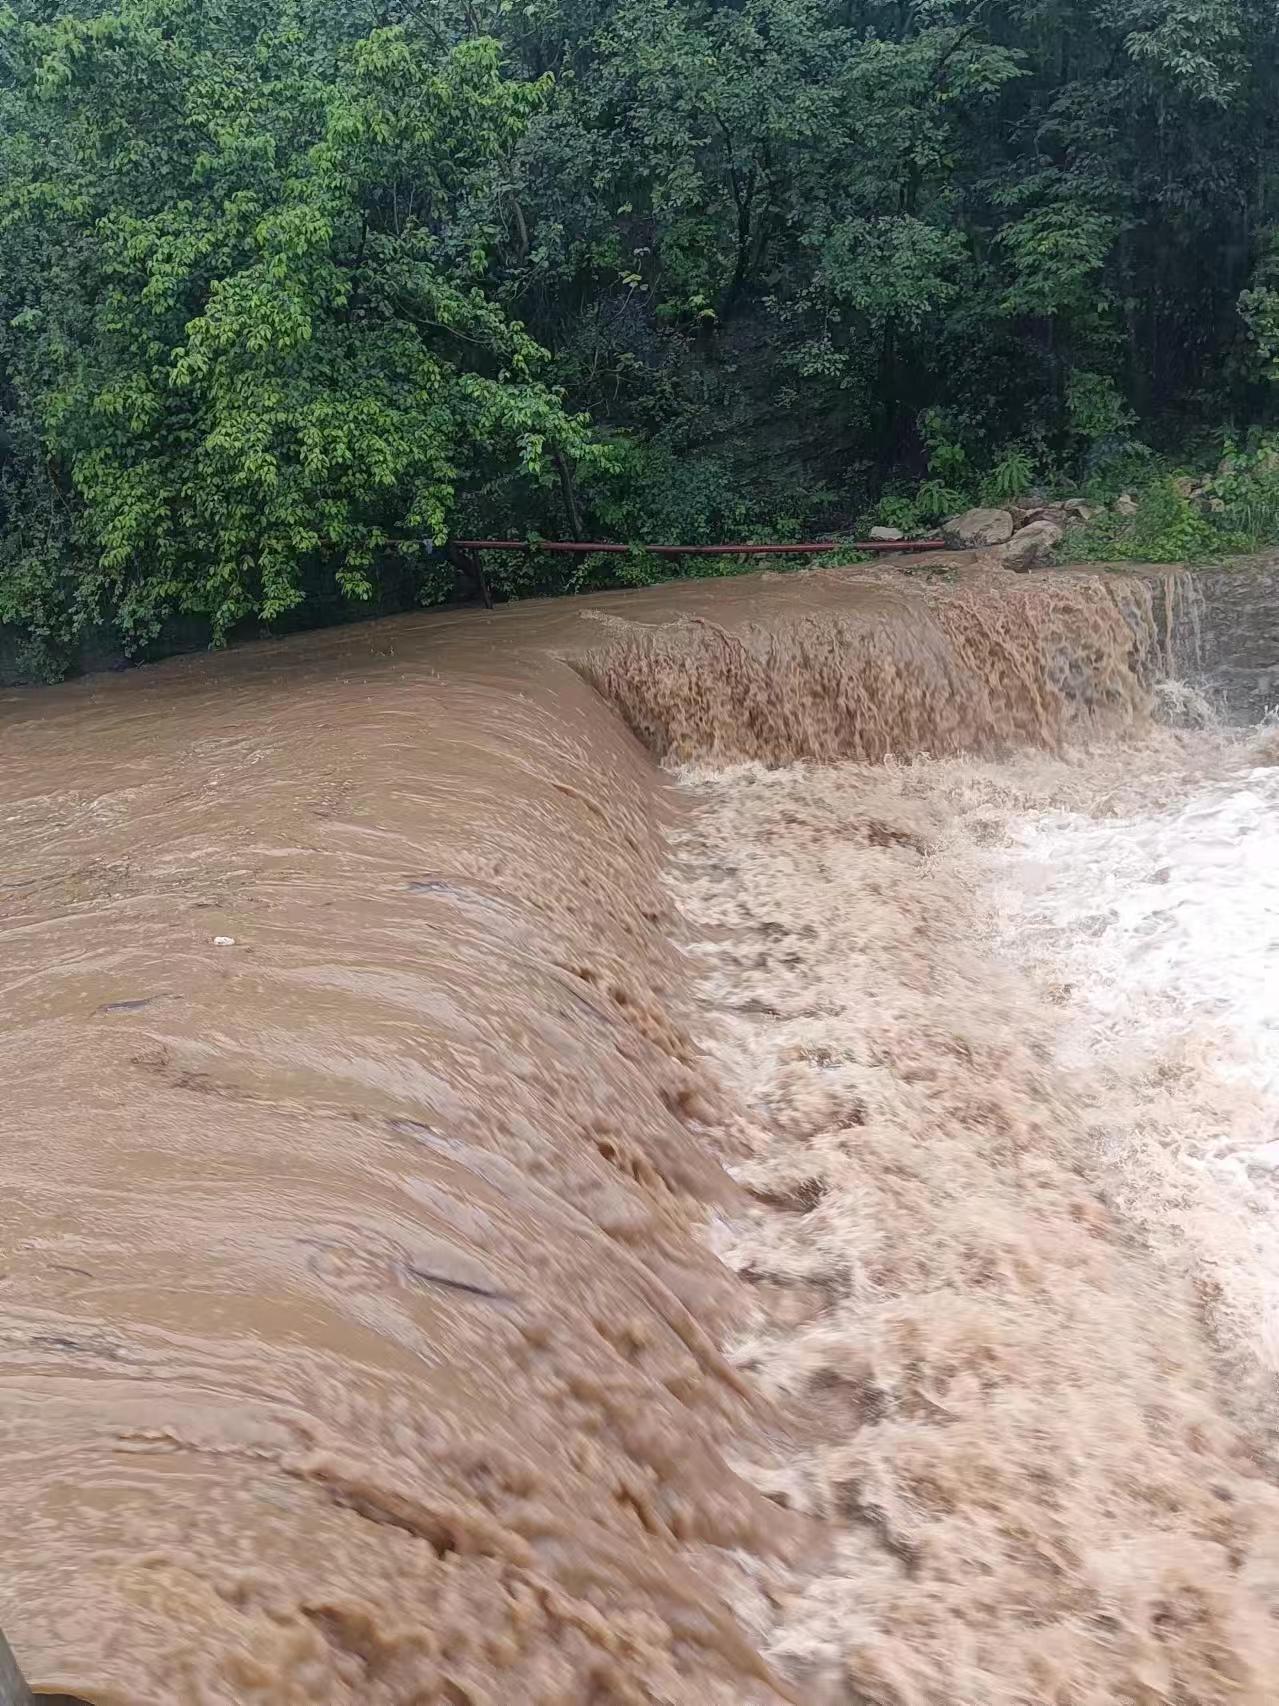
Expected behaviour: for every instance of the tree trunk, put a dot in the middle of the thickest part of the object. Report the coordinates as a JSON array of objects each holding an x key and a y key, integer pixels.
[
  {"x": 568, "y": 491},
  {"x": 468, "y": 565}
]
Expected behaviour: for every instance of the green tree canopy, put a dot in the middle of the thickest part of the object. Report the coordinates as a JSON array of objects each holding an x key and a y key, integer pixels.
[
  {"x": 244, "y": 332},
  {"x": 286, "y": 289}
]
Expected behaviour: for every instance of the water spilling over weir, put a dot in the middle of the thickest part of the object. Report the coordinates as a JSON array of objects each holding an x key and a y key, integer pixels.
[{"x": 486, "y": 1218}]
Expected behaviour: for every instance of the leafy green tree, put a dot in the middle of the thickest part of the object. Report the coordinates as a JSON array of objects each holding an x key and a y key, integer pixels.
[
  {"x": 287, "y": 288},
  {"x": 239, "y": 313}
]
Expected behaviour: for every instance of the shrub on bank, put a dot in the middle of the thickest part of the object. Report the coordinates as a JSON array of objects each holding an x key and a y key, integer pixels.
[
  {"x": 1179, "y": 517},
  {"x": 1125, "y": 505}
]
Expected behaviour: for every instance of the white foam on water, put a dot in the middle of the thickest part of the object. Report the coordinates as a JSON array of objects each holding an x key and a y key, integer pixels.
[
  {"x": 1157, "y": 930},
  {"x": 1172, "y": 919},
  {"x": 1000, "y": 1038}
]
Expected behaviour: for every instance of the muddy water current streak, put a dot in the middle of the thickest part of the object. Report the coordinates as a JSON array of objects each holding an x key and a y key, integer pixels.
[{"x": 450, "y": 1251}]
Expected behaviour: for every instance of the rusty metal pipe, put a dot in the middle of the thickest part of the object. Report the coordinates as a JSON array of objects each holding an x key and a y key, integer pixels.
[{"x": 585, "y": 548}]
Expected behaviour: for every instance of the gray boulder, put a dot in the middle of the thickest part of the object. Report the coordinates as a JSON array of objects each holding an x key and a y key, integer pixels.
[
  {"x": 1031, "y": 545},
  {"x": 1035, "y": 499},
  {"x": 1026, "y": 512},
  {"x": 1043, "y": 512},
  {"x": 1126, "y": 504},
  {"x": 886, "y": 535},
  {"x": 977, "y": 528}
]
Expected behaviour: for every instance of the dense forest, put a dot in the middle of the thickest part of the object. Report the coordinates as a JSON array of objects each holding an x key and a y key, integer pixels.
[{"x": 290, "y": 291}]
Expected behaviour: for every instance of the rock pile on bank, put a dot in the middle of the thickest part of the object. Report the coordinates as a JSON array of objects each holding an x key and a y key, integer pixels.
[{"x": 1024, "y": 536}]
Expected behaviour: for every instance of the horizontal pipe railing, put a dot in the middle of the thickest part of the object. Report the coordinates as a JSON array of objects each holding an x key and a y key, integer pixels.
[{"x": 591, "y": 548}]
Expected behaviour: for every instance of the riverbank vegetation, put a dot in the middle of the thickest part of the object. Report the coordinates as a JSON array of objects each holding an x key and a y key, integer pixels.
[{"x": 289, "y": 292}]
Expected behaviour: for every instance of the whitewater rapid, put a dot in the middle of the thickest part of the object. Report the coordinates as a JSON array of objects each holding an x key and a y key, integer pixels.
[
  {"x": 1154, "y": 925},
  {"x": 1001, "y": 1031},
  {"x": 484, "y": 1222},
  {"x": 1169, "y": 923}
]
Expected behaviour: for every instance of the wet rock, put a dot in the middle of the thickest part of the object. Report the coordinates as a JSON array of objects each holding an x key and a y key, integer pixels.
[
  {"x": 1031, "y": 545},
  {"x": 886, "y": 534},
  {"x": 977, "y": 528},
  {"x": 1024, "y": 513},
  {"x": 1041, "y": 512},
  {"x": 13, "y": 1689},
  {"x": 1032, "y": 505},
  {"x": 1057, "y": 513},
  {"x": 1235, "y": 657}
]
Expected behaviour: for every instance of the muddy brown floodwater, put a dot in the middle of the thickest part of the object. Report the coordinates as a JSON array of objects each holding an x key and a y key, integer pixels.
[{"x": 488, "y": 1219}]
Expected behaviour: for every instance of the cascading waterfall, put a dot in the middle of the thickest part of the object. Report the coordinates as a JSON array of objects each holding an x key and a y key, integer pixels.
[{"x": 488, "y": 1218}]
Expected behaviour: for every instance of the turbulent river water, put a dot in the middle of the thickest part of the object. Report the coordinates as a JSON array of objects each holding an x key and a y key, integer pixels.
[{"x": 716, "y": 1145}]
